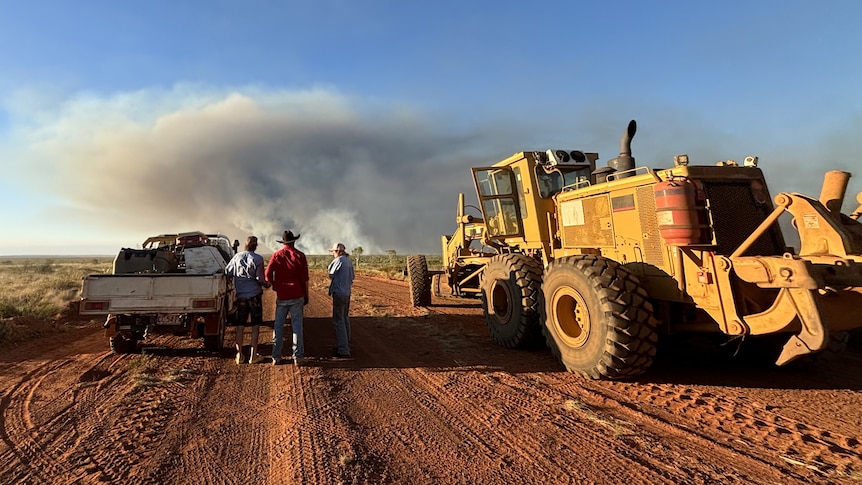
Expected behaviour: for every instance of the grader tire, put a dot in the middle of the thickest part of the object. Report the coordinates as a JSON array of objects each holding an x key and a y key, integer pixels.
[
  {"x": 435, "y": 284},
  {"x": 420, "y": 282},
  {"x": 598, "y": 321},
  {"x": 511, "y": 297}
]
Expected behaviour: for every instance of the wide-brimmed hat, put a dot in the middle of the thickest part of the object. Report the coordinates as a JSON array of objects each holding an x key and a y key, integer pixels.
[
  {"x": 337, "y": 247},
  {"x": 288, "y": 237}
]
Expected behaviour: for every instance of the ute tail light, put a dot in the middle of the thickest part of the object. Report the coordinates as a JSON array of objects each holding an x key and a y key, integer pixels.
[
  {"x": 207, "y": 303},
  {"x": 94, "y": 306}
]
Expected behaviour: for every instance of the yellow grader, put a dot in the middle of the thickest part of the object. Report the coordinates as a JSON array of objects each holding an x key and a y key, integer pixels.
[{"x": 603, "y": 260}]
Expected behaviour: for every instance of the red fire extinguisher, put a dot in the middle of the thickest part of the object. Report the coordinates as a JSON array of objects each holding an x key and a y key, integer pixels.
[{"x": 682, "y": 216}]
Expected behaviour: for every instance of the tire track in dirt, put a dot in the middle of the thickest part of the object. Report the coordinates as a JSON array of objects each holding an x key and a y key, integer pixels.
[
  {"x": 439, "y": 417},
  {"x": 299, "y": 448},
  {"x": 831, "y": 451},
  {"x": 212, "y": 431},
  {"x": 494, "y": 416},
  {"x": 740, "y": 425},
  {"x": 37, "y": 424},
  {"x": 509, "y": 404},
  {"x": 108, "y": 424},
  {"x": 312, "y": 440},
  {"x": 44, "y": 361},
  {"x": 641, "y": 438},
  {"x": 23, "y": 446},
  {"x": 430, "y": 393},
  {"x": 88, "y": 394},
  {"x": 428, "y": 398},
  {"x": 128, "y": 428}
]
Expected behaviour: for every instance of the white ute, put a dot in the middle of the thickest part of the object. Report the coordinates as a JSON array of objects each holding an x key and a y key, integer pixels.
[{"x": 176, "y": 285}]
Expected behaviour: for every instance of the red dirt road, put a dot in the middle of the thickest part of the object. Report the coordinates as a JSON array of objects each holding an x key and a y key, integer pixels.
[{"x": 427, "y": 398}]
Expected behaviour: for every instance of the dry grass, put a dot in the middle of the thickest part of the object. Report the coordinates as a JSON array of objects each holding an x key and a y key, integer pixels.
[
  {"x": 178, "y": 375},
  {"x": 38, "y": 288},
  {"x": 386, "y": 266},
  {"x": 42, "y": 287},
  {"x": 18, "y": 329},
  {"x": 362, "y": 303},
  {"x": 616, "y": 427},
  {"x": 144, "y": 371},
  {"x": 346, "y": 455}
]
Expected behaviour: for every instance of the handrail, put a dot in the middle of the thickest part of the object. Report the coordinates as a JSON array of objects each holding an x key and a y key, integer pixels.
[{"x": 616, "y": 175}]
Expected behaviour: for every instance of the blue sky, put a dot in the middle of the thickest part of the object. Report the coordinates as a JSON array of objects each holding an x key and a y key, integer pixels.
[{"x": 358, "y": 120}]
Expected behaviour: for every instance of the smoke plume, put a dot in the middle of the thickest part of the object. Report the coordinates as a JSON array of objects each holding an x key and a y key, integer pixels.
[
  {"x": 255, "y": 163},
  {"x": 336, "y": 168}
]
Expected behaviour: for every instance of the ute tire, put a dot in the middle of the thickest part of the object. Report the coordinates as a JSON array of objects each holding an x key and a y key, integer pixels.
[
  {"x": 511, "y": 300},
  {"x": 123, "y": 344},
  {"x": 215, "y": 343},
  {"x": 599, "y": 322}
]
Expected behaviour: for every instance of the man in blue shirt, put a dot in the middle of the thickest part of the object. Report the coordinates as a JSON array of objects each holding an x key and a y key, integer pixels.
[
  {"x": 246, "y": 269},
  {"x": 341, "y": 276}
]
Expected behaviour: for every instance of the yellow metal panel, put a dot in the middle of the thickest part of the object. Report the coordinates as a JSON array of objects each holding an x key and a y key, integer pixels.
[{"x": 586, "y": 222}]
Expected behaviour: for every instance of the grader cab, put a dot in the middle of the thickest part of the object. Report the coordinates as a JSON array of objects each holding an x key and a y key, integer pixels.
[{"x": 603, "y": 260}]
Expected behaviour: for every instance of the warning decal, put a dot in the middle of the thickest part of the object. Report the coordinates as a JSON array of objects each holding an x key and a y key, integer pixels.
[{"x": 573, "y": 213}]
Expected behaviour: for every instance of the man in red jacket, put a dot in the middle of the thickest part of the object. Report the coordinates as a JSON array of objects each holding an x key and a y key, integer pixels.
[{"x": 287, "y": 272}]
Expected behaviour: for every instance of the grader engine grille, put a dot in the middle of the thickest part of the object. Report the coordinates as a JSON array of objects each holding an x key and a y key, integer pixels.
[
  {"x": 649, "y": 226},
  {"x": 736, "y": 214}
]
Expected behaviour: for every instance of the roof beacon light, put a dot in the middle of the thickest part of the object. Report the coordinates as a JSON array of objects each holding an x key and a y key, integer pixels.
[{"x": 680, "y": 160}]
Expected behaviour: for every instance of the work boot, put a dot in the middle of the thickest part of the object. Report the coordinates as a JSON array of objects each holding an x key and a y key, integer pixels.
[{"x": 239, "y": 358}]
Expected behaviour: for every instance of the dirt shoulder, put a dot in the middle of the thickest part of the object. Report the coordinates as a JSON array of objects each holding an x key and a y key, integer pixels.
[{"x": 426, "y": 398}]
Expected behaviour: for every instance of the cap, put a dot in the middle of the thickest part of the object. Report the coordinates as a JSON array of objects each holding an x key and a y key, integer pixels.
[{"x": 337, "y": 247}]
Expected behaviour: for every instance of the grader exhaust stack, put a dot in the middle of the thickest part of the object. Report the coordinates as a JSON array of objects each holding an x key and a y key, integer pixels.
[{"x": 625, "y": 162}]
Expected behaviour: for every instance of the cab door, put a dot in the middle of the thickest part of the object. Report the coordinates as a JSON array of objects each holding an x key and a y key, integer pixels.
[{"x": 495, "y": 188}]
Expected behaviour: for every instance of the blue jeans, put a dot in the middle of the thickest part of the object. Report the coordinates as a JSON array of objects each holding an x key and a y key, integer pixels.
[
  {"x": 294, "y": 307},
  {"x": 341, "y": 321}
]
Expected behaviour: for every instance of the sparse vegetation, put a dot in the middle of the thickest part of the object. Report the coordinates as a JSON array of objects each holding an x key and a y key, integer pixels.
[
  {"x": 41, "y": 288},
  {"x": 178, "y": 375},
  {"x": 616, "y": 427},
  {"x": 346, "y": 455},
  {"x": 144, "y": 372},
  {"x": 388, "y": 265},
  {"x": 19, "y": 330}
]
